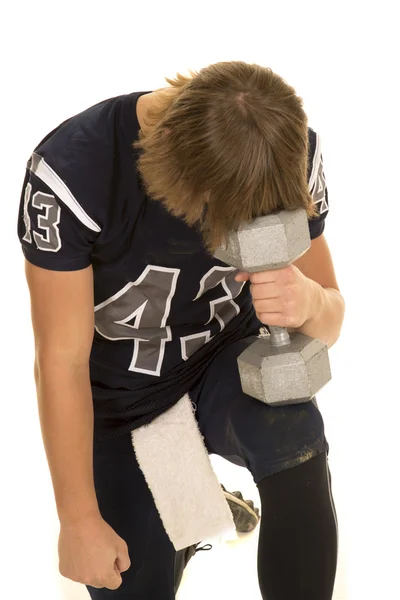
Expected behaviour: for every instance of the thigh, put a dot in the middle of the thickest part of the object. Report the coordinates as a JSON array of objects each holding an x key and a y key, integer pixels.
[
  {"x": 248, "y": 432},
  {"x": 127, "y": 505}
]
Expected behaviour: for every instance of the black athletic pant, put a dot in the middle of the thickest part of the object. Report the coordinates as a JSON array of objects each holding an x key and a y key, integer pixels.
[
  {"x": 283, "y": 447},
  {"x": 297, "y": 552},
  {"x": 298, "y": 536}
]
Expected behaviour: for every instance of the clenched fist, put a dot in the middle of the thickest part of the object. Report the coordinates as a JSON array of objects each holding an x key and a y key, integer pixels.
[
  {"x": 92, "y": 553},
  {"x": 281, "y": 297}
]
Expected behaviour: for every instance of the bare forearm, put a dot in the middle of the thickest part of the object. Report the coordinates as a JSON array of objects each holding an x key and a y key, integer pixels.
[
  {"x": 66, "y": 418},
  {"x": 327, "y": 316}
]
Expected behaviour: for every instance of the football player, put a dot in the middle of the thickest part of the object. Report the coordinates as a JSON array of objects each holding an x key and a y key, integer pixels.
[{"x": 121, "y": 210}]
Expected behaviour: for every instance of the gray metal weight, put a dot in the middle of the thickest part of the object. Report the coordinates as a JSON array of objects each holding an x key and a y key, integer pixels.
[{"x": 280, "y": 368}]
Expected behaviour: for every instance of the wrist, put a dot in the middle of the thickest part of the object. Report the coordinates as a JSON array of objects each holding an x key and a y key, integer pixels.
[
  {"x": 73, "y": 518},
  {"x": 67, "y": 522},
  {"x": 316, "y": 301}
]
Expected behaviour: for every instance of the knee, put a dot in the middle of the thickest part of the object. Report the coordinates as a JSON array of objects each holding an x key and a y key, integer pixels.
[
  {"x": 288, "y": 424},
  {"x": 279, "y": 438}
]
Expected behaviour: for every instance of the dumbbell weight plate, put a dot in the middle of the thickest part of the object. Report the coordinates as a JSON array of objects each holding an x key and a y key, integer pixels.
[{"x": 282, "y": 375}]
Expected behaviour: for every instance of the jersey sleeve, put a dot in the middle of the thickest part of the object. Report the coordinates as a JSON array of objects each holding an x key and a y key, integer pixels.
[
  {"x": 317, "y": 185},
  {"x": 55, "y": 231}
]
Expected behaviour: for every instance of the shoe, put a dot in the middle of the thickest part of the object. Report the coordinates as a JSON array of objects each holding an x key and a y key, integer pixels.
[
  {"x": 245, "y": 515},
  {"x": 182, "y": 558}
]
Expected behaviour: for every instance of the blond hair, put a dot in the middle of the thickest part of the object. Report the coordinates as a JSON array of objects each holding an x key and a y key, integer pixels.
[{"x": 224, "y": 146}]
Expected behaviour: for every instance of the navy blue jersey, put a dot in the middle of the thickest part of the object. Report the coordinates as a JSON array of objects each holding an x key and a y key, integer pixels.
[{"x": 163, "y": 306}]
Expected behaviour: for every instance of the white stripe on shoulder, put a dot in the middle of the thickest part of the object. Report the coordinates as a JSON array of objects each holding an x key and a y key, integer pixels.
[
  {"x": 41, "y": 169},
  {"x": 316, "y": 161}
]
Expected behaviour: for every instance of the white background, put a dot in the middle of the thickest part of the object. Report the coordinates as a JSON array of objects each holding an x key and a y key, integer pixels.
[{"x": 57, "y": 59}]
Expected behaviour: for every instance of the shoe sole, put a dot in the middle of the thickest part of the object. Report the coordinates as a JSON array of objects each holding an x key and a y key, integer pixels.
[{"x": 241, "y": 503}]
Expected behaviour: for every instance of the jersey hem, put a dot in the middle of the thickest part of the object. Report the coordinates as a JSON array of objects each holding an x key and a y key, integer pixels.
[{"x": 56, "y": 264}]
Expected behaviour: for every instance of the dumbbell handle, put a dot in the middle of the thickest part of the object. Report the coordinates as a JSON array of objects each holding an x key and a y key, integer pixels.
[{"x": 279, "y": 336}]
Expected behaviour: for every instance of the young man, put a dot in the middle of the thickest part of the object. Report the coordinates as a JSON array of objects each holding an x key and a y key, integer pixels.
[{"x": 122, "y": 208}]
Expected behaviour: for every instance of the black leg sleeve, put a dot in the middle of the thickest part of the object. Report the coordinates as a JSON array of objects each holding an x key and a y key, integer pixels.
[{"x": 297, "y": 553}]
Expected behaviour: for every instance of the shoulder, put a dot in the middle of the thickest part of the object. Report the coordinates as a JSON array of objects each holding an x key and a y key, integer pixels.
[
  {"x": 77, "y": 159},
  {"x": 316, "y": 175},
  {"x": 314, "y": 154},
  {"x": 86, "y": 137},
  {"x": 317, "y": 183}
]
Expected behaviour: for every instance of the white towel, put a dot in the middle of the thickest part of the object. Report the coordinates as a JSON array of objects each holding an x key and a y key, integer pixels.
[{"x": 175, "y": 463}]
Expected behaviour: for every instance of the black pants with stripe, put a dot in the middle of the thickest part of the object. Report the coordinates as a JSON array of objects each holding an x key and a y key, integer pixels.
[{"x": 285, "y": 450}]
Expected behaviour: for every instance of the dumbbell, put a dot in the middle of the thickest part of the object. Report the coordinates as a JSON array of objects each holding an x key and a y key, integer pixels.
[{"x": 279, "y": 368}]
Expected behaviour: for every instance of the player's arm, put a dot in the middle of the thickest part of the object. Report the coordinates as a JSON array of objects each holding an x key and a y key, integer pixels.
[
  {"x": 316, "y": 264},
  {"x": 57, "y": 244},
  {"x": 62, "y": 319},
  {"x": 327, "y": 302}
]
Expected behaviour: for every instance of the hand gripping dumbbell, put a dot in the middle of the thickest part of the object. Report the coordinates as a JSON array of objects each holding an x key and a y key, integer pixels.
[{"x": 279, "y": 368}]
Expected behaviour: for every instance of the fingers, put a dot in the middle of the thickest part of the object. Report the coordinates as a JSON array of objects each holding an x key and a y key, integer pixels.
[
  {"x": 123, "y": 561},
  {"x": 267, "y": 305},
  {"x": 282, "y": 275},
  {"x": 114, "y": 581},
  {"x": 271, "y": 312},
  {"x": 121, "y": 564},
  {"x": 261, "y": 291},
  {"x": 275, "y": 319},
  {"x": 242, "y": 277}
]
